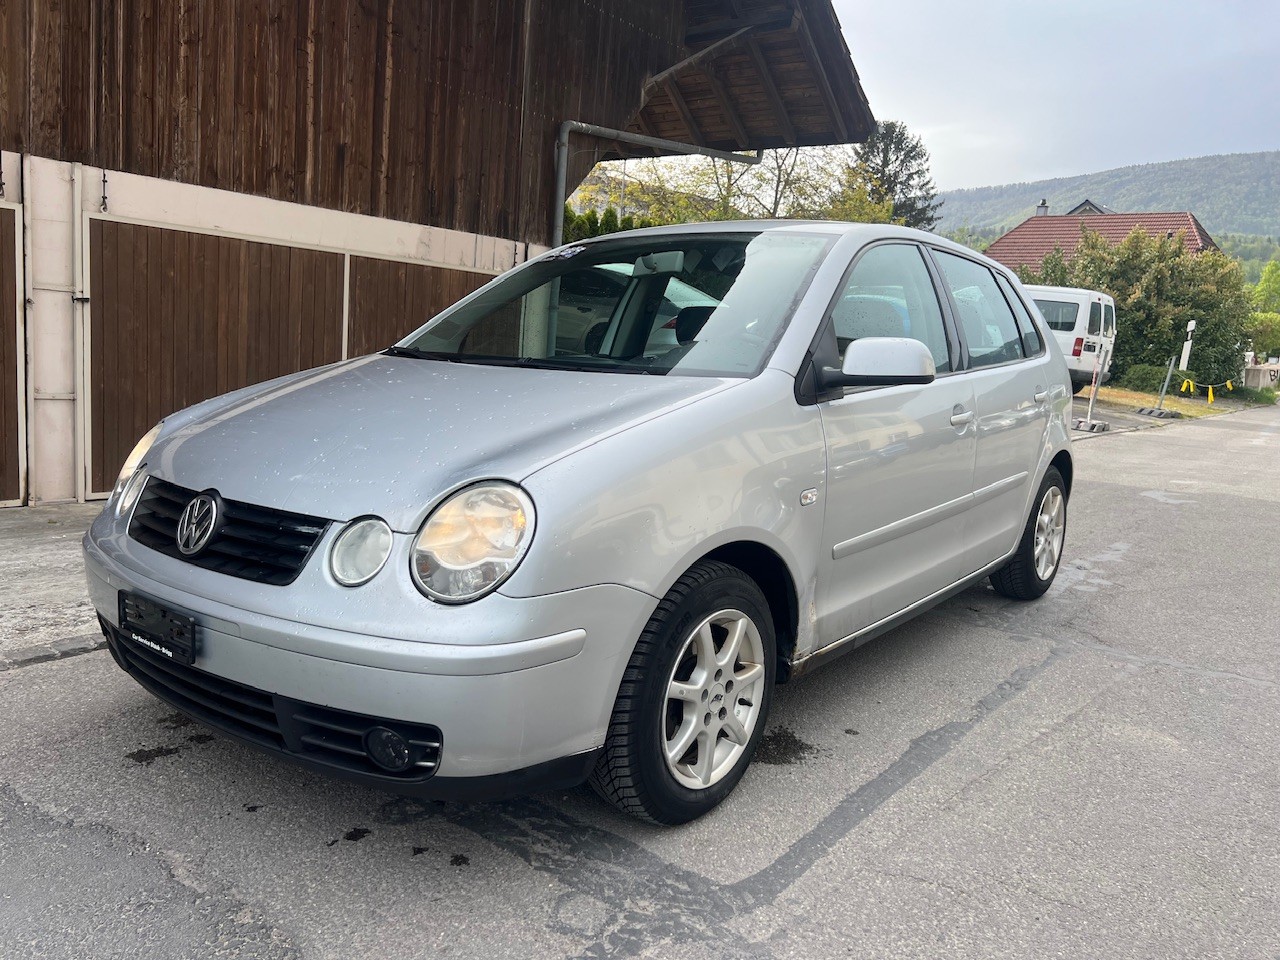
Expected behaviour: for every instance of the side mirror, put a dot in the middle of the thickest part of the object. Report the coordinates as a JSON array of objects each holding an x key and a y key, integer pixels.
[{"x": 881, "y": 362}]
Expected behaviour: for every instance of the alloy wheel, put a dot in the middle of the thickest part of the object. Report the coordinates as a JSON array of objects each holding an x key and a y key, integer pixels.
[
  {"x": 713, "y": 699},
  {"x": 1050, "y": 526}
]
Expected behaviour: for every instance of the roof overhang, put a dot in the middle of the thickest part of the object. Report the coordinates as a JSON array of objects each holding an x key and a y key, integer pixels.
[{"x": 755, "y": 74}]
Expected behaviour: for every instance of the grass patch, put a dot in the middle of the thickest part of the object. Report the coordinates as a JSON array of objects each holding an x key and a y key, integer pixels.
[{"x": 1120, "y": 397}]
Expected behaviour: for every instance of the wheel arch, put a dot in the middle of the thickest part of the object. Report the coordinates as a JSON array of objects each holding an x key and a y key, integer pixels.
[
  {"x": 774, "y": 578},
  {"x": 1062, "y": 461}
]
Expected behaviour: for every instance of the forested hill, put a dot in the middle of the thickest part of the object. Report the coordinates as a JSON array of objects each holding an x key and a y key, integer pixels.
[{"x": 1229, "y": 193}]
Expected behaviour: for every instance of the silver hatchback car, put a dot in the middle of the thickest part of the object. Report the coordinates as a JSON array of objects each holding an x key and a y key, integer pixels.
[{"x": 479, "y": 563}]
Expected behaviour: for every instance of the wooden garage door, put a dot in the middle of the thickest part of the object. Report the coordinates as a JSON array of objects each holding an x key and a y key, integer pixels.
[
  {"x": 10, "y": 358},
  {"x": 179, "y": 317},
  {"x": 391, "y": 299}
]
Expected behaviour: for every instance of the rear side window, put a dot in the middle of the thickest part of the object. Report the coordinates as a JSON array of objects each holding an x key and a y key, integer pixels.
[
  {"x": 1095, "y": 318},
  {"x": 1030, "y": 335},
  {"x": 890, "y": 294},
  {"x": 1109, "y": 320},
  {"x": 1059, "y": 314},
  {"x": 985, "y": 317}
]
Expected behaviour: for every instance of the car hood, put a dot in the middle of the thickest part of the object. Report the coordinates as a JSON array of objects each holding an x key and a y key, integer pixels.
[{"x": 389, "y": 435}]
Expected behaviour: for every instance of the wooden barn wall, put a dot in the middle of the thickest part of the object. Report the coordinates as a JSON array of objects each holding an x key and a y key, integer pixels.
[
  {"x": 442, "y": 112},
  {"x": 390, "y": 299},
  {"x": 10, "y": 357},
  {"x": 178, "y": 317}
]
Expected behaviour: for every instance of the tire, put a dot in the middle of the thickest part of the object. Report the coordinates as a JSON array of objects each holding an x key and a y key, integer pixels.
[
  {"x": 1077, "y": 386},
  {"x": 634, "y": 773},
  {"x": 1022, "y": 577}
]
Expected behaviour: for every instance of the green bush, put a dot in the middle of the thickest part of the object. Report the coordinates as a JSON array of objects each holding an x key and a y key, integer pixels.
[
  {"x": 1144, "y": 377},
  {"x": 1265, "y": 396},
  {"x": 1148, "y": 378}
]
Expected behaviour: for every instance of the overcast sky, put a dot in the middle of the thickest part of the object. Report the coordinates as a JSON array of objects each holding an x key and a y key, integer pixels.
[{"x": 1003, "y": 91}]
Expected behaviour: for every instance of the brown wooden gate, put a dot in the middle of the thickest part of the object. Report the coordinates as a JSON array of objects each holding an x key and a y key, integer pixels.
[
  {"x": 11, "y": 356},
  {"x": 178, "y": 317},
  {"x": 390, "y": 299}
]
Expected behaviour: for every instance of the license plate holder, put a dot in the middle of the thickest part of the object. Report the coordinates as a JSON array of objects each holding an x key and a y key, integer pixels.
[{"x": 173, "y": 635}]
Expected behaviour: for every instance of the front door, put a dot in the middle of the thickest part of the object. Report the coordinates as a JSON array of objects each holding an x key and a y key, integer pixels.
[{"x": 899, "y": 459}]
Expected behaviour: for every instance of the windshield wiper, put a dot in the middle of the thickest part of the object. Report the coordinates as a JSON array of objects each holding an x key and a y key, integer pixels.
[
  {"x": 417, "y": 354},
  {"x": 584, "y": 365}
]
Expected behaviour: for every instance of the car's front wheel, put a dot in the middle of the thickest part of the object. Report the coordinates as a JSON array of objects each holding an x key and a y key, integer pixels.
[{"x": 694, "y": 699}]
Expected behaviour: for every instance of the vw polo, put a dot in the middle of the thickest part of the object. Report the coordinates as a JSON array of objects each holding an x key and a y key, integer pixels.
[{"x": 491, "y": 560}]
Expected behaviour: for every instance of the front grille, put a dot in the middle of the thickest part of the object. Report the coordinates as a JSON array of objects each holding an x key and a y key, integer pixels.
[
  {"x": 250, "y": 542},
  {"x": 219, "y": 702},
  {"x": 320, "y": 735}
]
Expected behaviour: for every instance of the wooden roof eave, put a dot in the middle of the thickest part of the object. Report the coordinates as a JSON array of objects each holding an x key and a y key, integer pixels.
[{"x": 728, "y": 114}]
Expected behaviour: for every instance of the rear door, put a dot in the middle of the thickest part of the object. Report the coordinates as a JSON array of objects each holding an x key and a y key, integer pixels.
[
  {"x": 1010, "y": 378},
  {"x": 1108, "y": 333},
  {"x": 900, "y": 459}
]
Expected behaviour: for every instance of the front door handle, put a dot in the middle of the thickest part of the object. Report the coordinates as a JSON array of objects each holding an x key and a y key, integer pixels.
[
  {"x": 960, "y": 419},
  {"x": 1042, "y": 396}
]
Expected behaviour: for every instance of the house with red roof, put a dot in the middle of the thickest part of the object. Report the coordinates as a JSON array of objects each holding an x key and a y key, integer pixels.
[{"x": 1035, "y": 238}]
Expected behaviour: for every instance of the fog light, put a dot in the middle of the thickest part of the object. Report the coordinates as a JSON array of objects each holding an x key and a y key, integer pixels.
[{"x": 388, "y": 749}]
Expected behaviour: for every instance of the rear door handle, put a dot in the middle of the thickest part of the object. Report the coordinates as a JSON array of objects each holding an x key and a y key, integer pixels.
[
  {"x": 960, "y": 419},
  {"x": 1042, "y": 396}
]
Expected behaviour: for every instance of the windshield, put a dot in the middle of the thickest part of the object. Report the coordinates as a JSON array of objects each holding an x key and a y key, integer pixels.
[{"x": 689, "y": 305}]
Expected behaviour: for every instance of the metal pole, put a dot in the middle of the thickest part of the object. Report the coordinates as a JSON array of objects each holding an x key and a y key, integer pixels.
[
  {"x": 1165, "y": 389},
  {"x": 1093, "y": 394},
  {"x": 607, "y": 133}
]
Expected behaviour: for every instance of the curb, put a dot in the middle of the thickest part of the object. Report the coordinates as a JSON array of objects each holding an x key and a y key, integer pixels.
[{"x": 57, "y": 650}]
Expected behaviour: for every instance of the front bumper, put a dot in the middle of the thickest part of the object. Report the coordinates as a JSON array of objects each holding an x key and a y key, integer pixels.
[{"x": 513, "y": 715}]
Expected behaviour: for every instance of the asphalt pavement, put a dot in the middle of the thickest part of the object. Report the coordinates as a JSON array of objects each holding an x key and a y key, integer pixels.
[{"x": 1091, "y": 775}]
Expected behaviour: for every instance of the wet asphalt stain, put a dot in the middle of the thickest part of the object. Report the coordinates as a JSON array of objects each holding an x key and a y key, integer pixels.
[
  {"x": 149, "y": 755},
  {"x": 201, "y": 738},
  {"x": 459, "y": 860},
  {"x": 851, "y": 732},
  {"x": 650, "y": 901},
  {"x": 418, "y": 851},
  {"x": 252, "y": 807},
  {"x": 781, "y": 747},
  {"x": 354, "y": 835},
  {"x": 175, "y": 721}
]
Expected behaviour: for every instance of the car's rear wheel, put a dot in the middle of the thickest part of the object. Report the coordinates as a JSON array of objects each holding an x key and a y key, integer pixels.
[
  {"x": 1077, "y": 386},
  {"x": 1031, "y": 569},
  {"x": 694, "y": 699}
]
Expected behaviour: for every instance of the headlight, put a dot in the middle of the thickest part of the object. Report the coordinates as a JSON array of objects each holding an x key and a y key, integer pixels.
[
  {"x": 132, "y": 461},
  {"x": 360, "y": 551},
  {"x": 129, "y": 496},
  {"x": 472, "y": 542}
]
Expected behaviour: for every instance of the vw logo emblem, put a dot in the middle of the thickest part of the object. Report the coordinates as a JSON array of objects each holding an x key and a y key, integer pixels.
[{"x": 196, "y": 525}]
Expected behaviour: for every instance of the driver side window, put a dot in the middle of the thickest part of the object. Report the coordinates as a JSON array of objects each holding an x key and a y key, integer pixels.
[{"x": 890, "y": 294}]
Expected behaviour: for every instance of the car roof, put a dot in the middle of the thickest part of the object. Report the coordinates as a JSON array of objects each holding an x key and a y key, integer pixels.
[
  {"x": 869, "y": 231},
  {"x": 1076, "y": 291}
]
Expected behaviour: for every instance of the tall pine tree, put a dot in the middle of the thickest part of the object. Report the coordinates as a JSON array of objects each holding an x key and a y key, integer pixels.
[{"x": 898, "y": 165}]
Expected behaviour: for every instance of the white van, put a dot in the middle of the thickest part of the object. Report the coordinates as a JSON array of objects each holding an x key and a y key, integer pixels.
[{"x": 1084, "y": 321}]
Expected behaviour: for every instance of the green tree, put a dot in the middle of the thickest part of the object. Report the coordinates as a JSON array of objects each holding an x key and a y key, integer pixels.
[
  {"x": 1266, "y": 295},
  {"x": 1264, "y": 330},
  {"x": 1158, "y": 287},
  {"x": 897, "y": 166},
  {"x": 1053, "y": 272}
]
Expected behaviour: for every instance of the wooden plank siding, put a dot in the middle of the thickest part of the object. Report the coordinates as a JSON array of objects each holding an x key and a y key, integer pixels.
[
  {"x": 442, "y": 112},
  {"x": 390, "y": 299},
  {"x": 11, "y": 355},
  {"x": 178, "y": 317}
]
